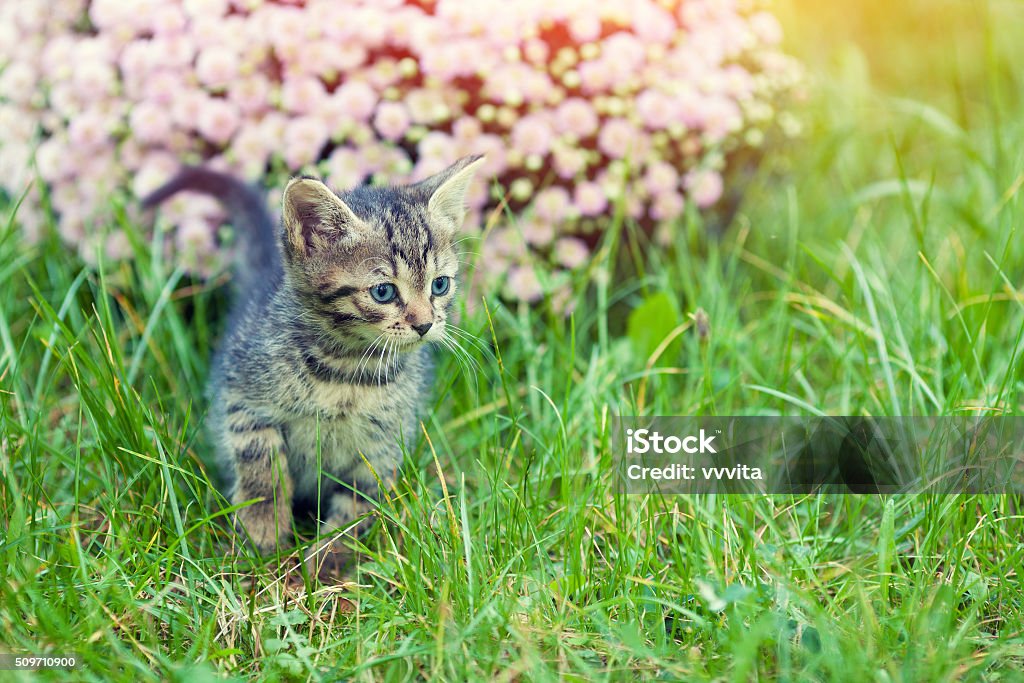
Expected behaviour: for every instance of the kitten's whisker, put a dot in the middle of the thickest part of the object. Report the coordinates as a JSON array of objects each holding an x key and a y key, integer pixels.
[
  {"x": 464, "y": 239},
  {"x": 469, "y": 367},
  {"x": 364, "y": 359},
  {"x": 465, "y": 354},
  {"x": 471, "y": 338},
  {"x": 381, "y": 363},
  {"x": 461, "y": 355},
  {"x": 458, "y": 359},
  {"x": 380, "y": 358},
  {"x": 375, "y": 258}
]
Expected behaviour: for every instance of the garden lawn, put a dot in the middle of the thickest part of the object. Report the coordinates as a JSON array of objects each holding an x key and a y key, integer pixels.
[{"x": 874, "y": 267}]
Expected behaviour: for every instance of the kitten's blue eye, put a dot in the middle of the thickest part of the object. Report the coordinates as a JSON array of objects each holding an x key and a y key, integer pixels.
[
  {"x": 384, "y": 292},
  {"x": 440, "y": 285}
]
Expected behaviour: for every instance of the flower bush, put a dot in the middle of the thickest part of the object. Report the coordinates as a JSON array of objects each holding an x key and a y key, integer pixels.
[{"x": 579, "y": 105}]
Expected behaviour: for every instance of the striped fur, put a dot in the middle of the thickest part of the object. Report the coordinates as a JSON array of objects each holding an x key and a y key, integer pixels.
[{"x": 316, "y": 380}]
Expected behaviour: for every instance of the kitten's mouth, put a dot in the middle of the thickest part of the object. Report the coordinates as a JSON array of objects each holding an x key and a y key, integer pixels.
[{"x": 412, "y": 344}]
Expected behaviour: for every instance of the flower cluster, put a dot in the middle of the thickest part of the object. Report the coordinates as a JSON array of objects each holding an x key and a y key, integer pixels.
[{"x": 580, "y": 106}]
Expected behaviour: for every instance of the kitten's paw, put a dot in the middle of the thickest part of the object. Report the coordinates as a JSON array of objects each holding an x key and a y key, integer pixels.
[
  {"x": 263, "y": 523},
  {"x": 330, "y": 561}
]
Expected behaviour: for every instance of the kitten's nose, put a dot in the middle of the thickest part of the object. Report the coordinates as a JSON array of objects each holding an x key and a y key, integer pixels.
[{"x": 422, "y": 329}]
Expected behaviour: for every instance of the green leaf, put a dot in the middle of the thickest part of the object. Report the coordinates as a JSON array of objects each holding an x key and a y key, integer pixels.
[
  {"x": 649, "y": 324},
  {"x": 975, "y": 587},
  {"x": 291, "y": 618}
]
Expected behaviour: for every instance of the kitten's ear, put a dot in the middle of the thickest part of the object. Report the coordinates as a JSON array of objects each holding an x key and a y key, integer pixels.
[
  {"x": 314, "y": 217},
  {"x": 447, "y": 190}
]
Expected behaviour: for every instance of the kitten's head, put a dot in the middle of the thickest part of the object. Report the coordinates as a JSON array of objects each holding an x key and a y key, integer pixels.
[{"x": 377, "y": 264}]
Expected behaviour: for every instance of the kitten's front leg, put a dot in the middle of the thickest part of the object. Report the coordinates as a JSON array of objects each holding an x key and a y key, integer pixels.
[
  {"x": 256, "y": 449},
  {"x": 349, "y": 514}
]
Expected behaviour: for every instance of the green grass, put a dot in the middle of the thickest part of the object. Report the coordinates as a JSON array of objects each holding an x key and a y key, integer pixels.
[{"x": 875, "y": 268}]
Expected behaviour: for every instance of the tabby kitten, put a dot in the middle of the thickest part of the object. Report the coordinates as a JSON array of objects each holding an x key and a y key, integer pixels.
[{"x": 325, "y": 370}]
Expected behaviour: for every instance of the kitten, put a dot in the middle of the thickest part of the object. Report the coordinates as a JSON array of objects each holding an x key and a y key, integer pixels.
[{"x": 324, "y": 370}]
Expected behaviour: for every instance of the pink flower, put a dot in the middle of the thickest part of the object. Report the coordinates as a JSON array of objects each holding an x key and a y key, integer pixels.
[
  {"x": 303, "y": 94},
  {"x": 568, "y": 161},
  {"x": 661, "y": 177},
  {"x": 349, "y": 56},
  {"x": 652, "y": 24},
  {"x": 552, "y": 204},
  {"x": 304, "y": 137},
  {"x": 427, "y": 167},
  {"x": 766, "y": 27},
  {"x": 167, "y": 19},
  {"x": 250, "y": 94},
  {"x": 391, "y": 121},
  {"x": 616, "y": 138},
  {"x": 704, "y": 187},
  {"x": 172, "y": 51},
  {"x": 89, "y": 130},
  {"x": 218, "y": 120},
  {"x": 426, "y": 106},
  {"x": 737, "y": 82},
  {"x": 135, "y": 61},
  {"x": 345, "y": 168},
  {"x": 536, "y": 51},
  {"x": 94, "y": 78},
  {"x": 440, "y": 62},
  {"x": 532, "y": 135},
  {"x": 57, "y": 56},
  {"x": 493, "y": 149},
  {"x": 150, "y": 122},
  {"x": 358, "y": 98},
  {"x": 272, "y": 126},
  {"x": 478, "y": 192},
  {"x": 577, "y": 117},
  {"x": 585, "y": 27},
  {"x": 624, "y": 53},
  {"x": 18, "y": 82},
  {"x": 537, "y": 231},
  {"x": 722, "y": 117},
  {"x": 596, "y": 76},
  {"x": 116, "y": 247},
  {"x": 373, "y": 24},
  {"x": 666, "y": 206},
  {"x": 217, "y": 66},
  {"x": 638, "y": 91},
  {"x": 212, "y": 9},
  {"x": 523, "y": 285},
  {"x": 65, "y": 102},
  {"x": 108, "y": 14},
  {"x": 536, "y": 86},
  {"x": 51, "y": 159},
  {"x": 504, "y": 244},
  {"x": 562, "y": 301},
  {"x": 590, "y": 199},
  {"x": 436, "y": 146},
  {"x": 656, "y": 109},
  {"x": 195, "y": 237},
  {"x": 18, "y": 123},
  {"x": 164, "y": 88},
  {"x": 571, "y": 252},
  {"x": 15, "y": 159},
  {"x": 467, "y": 129},
  {"x": 249, "y": 150},
  {"x": 72, "y": 226},
  {"x": 318, "y": 58},
  {"x": 154, "y": 171}
]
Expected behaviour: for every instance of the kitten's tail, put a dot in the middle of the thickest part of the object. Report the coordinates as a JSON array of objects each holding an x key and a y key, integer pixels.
[{"x": 247, "y": 213}]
